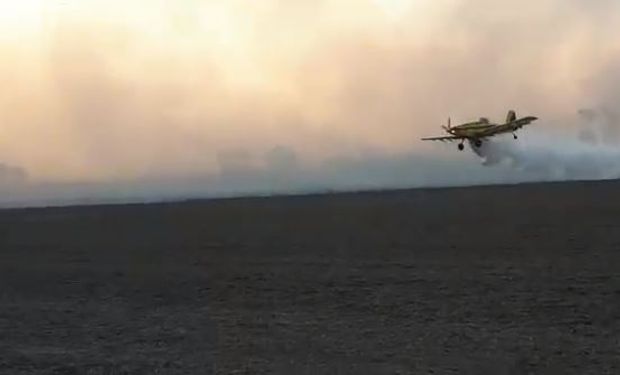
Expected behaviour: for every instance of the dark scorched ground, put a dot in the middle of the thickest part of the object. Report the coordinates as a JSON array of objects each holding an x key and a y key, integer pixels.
[{"x": 482, "y": 280}]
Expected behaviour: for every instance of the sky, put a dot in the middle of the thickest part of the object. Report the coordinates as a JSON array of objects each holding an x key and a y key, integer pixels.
[{"x": 161, "y": 99}]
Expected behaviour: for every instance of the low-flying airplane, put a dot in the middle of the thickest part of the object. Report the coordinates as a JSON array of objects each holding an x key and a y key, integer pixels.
[{"x": 477, "y": 131}]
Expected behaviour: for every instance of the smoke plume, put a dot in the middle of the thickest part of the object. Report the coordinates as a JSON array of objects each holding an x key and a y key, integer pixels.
[
  {"x": 149, "y": 99},
  {"x": 589, "y": 151}
]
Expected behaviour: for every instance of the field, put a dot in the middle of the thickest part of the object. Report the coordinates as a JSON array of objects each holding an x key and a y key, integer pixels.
[{"x": 481, "y": 280}]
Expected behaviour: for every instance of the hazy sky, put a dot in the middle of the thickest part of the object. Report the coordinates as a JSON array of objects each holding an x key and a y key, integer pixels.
[{"x": 109, "y": 92}]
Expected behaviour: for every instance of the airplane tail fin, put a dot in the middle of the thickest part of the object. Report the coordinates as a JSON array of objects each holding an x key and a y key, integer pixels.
[{"x": 511, "y": 116}]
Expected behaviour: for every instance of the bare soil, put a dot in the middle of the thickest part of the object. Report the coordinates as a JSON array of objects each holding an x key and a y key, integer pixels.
[{"x": 482, "y": 280}]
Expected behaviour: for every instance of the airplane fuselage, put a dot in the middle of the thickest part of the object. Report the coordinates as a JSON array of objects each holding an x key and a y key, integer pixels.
[
  {"x": 483, "y": 128},
  {"x": 472, "y": 129}
]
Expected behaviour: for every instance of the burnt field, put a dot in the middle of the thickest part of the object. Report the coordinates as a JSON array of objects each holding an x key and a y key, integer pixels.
[{"x": 482, "y": 280}]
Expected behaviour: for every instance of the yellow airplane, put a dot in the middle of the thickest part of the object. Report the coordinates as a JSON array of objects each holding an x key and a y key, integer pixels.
[{"x": 476, "y": 131}]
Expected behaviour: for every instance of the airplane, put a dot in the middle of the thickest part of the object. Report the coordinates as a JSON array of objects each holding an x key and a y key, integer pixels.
[{"x": 477, "y": 131}]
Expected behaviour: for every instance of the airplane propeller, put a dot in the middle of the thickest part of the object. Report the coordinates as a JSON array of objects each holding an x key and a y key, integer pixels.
[{"x": 447, "y": 128}]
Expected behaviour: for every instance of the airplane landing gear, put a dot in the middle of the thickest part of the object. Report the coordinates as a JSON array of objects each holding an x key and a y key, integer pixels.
[
  {"x": 514, "y": 136},
  {"x": 478, "y": 143},
  {"x": 461, "y": 146}
]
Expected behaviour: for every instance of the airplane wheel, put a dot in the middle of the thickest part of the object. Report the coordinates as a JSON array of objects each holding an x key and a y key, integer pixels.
[
  {"x": 461, "y": 146},
  {"x": 515, "y": 136},
  {"x": 478, "y": 143}
]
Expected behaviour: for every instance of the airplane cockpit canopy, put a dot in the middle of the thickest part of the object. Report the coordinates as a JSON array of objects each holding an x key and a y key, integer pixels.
[{"x": 484, "y": 120}]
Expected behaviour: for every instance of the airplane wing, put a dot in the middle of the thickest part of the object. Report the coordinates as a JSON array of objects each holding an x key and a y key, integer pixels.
[{"x": 448, "y": 138}]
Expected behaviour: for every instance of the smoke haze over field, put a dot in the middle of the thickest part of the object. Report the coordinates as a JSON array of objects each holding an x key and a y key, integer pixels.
[{"x": 114, "y": 100}]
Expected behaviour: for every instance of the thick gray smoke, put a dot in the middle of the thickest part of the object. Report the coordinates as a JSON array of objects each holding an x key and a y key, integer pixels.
[
  {"x": 587, "y": 150},
  {"x": 117, "y": 101}
]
